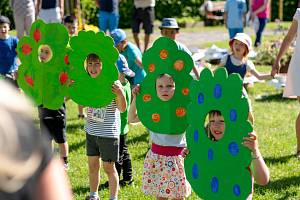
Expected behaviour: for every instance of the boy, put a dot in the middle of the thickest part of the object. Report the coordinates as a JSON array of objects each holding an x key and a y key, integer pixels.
[
  {"x": 102, "y": 134},
  {"x": 71, "y": 23},
  {"x": 53, "y": 122},
  {"x": 169, "y": 28},
  {"x": 235, "y": 16},
  {"x": 8, "y": 54},
  {"x": 132, "y": 54}
]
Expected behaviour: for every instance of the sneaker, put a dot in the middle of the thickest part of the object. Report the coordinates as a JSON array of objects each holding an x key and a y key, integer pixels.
[
  {"x": 66, "y": 166},
  {"x": 81, "y": 116},
  {"x": 124, "y": 183},
  {"x": 92, "y": 198}
]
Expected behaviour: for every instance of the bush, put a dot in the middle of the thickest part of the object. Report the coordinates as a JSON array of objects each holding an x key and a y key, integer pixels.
[
  {"x": 6, "y": 10},
  {"x": 289, "y": 9}
]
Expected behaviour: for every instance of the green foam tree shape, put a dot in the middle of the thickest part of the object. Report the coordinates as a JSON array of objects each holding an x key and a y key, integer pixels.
[
  {"x": 166, "y": 117},
  {"x": 45, "y": 83},
  {"x": 218, "y": 169},
  {"x": 85, "y": 90}
]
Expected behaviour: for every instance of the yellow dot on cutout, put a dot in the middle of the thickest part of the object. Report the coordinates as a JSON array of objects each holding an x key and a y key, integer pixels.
[
  {"x": 146, "y": 97},
  {"x": 185, "y": 91},
  {"x": 155, "y": 117},
  {"x": 163, "y": 54},
  {"x": 151, "y": 67},
  {"x": 180, "y": 112},
  {"x": 178, "y": 65}
]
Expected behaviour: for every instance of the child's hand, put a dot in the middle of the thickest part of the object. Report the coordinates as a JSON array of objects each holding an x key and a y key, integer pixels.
[
  {"x": 275, "y": 68},
  {"x": 117, "y": 88},
  {"x": 136, "y": 90},
  {"x": 185, "y": 152},
  {"x": 251, "y": 142}
]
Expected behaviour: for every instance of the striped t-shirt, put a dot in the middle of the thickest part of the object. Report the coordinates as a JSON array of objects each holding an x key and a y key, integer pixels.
[{"x": 104, "y": 122}]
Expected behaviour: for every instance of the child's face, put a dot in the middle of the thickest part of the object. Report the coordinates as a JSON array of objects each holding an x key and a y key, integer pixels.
[
  {"x": 165, "y": 87},
  {"x": 72, "y": 28},
  {"x": 45, "y": 53},
  {"x": 217, "y": 126},
  {"x": 239, "y": 48},
  {"x": 94, "y": 67},
  {"x": 169, "y": 32},
  {"x": 4, "y": 29},
  {"x": 121, "y": 46}
]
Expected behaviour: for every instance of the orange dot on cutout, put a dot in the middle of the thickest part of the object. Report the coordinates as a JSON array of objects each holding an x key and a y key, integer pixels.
[
  {"x": 185, "y": 91},
  {"x": 147, "y": 97},
  {"x": 155, "y": 117},
  {"x": 178, "y": 65},
  {"x": 151, "y": 67},
  {"x": 180, "y": 112},
  {"x": 163, "y": 54}
]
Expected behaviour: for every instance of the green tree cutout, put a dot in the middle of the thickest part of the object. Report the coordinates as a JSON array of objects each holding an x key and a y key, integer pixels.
[
  {"x": 218, "y": 170},
  {"x": 166, "y": 117},
  {"x": 44, "y": 82},
  {"x": 85, "y": 90}
]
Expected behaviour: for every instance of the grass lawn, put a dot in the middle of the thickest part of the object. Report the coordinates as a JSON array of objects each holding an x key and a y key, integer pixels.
[{"x": 274, "y": 124}]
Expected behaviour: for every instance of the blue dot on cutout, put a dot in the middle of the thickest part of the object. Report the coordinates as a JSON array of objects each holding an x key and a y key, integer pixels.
[
  {"x": 236, "y": 190},
  {"x": 214, "y": 184},
  {"x": 218, "y": 91},
  {"x": 195, "y": 171},
  {"x": 200, "y": 98},
  {"x": 233, "y": 148},
  {"x": 233, "y": 115},
  {"x": 196, "y": 135},
  {"x": 210, "y": 154}
]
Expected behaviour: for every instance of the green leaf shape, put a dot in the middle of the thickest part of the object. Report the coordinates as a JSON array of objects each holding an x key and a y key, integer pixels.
[
  {"x": 225, "y": 160},
  {"x": 88, "y": 91},
  {"x": 47, "y": 90},
  {"x": 165, "y": 57}
]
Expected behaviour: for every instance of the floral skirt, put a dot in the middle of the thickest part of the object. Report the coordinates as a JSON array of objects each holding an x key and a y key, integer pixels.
[{"x": 164, "y": 176}]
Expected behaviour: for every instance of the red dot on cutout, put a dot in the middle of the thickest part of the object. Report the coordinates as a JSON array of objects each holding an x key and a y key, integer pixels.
[{"x": 163, "y": 54}]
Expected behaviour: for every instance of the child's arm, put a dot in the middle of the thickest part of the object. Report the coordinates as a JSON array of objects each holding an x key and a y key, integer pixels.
[
  {"x": 132, "y": 113},
  {"x": 117, "y": 88},
  {"x": 260, "y": 170},
  {"x": 225, "y": 19},
  {"x": 284, "y": 46},
  {"x": 259, "y": 75},
  {"x": 139, "y": 62}
]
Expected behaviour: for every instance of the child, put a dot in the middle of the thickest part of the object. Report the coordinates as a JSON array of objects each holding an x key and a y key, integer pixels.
[
  {"x": 164, "y": 162},
  {"x": 169, "y": 28},
  {"x": 237, "y": 62},
  {"x": 235, "y": 16},
  {"x": 132, "y": 54},
  {"x": 71, "y": 23},
  {"x": 102, "y": 134},
  {"x": 53, "y": 122},
  {"x": 8, "y": 54},
  {"x": 259, "y": 170},
  {"x": 293, "y": 81}
]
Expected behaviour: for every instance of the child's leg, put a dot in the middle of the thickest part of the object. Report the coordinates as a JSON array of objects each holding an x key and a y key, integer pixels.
[
  {"x": 127, "y": 167},
  {"x": 94, "y": 166},
  {"x": 80, "y": 111},
  {"x": 298, "y": 132},
  {"x": 113, "y": 178},
  {"x": 119, "y": 163},
  {"x": 64, "y": 151}
]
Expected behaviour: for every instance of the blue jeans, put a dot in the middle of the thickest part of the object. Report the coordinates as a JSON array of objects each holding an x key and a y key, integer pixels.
[
  {"x": 234, "y": 31},
  {"x": 262, "y": 25},
  {"x": 108, "y": 20}
]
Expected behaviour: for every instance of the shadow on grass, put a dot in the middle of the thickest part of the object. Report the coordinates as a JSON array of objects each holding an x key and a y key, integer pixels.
[
  {"x": 76, "y": 146},
  {"x": 139, "y": 138},
  {"x": 280, "y": 186},
  {"x": 81, "y": 190},
  {"x": 71, "y": 128},
  {"x": 275, "y": 160},
  {"x": 274, "y": 98}
]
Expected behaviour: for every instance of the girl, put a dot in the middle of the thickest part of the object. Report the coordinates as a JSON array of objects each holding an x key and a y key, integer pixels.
[
  {"x": 293, "y": 80},
  {"x": 237, "y": 62},
  {"x": 163, "y": 175},
  {"x": 258, "y": 167}
]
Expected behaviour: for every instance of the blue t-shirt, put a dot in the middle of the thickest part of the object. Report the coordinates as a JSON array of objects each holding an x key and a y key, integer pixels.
[
  {"x": 8, "y": 55},
  {"x": 109, "y": 5},
  {"x": 131, "y": 53},
  {"x": 235, "y": 11}
]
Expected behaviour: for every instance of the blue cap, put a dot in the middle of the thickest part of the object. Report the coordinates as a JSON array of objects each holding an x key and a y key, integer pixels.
[
  {"x": 123, "y": 66},
  {"x": 118, "y": 35},
  {"x": 169, "y": 23}
]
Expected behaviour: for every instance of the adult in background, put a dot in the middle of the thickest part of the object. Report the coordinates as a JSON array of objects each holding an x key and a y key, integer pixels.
[
  {"x": 24, "y": 15},
  {"x": 261, "y": 10},
  {"x": 50, "y": 11},
  {"x": 143, "y": 13},
  {"x": 108, "y": 14}
]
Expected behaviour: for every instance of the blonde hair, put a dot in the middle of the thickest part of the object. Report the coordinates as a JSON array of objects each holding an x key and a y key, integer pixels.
[{"x": 18, "y": 161}]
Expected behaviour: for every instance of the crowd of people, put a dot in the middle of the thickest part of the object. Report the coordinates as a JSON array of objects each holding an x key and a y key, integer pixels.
[{"x": 107, "y": 127}]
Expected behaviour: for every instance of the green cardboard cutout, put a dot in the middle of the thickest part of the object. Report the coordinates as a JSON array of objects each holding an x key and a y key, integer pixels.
[
  {"x": 85, "y": 90},
  {"x": 218, "y": 170},
  {"x": 166, "y": 117},
  {"x": 44, "y": 82}
]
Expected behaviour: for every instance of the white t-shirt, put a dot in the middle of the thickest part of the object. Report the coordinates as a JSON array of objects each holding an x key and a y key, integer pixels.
[{"x": 168, "y": 140}]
